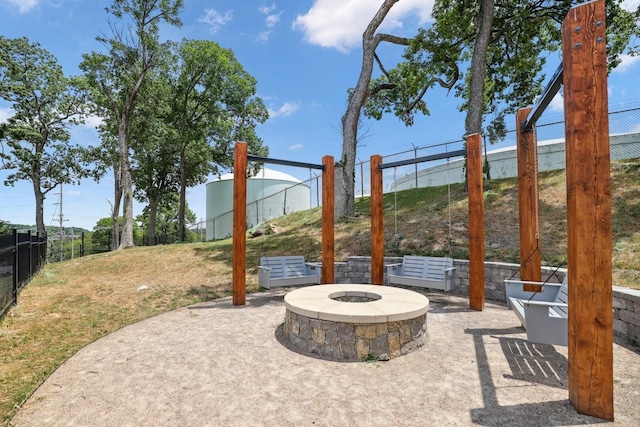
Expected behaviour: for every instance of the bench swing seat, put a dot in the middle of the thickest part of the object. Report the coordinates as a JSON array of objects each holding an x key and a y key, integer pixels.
[
  {"x": 291, "y": 270},
  {"x": 423, "y": 272},
  {"x": 543, "y": 314}
]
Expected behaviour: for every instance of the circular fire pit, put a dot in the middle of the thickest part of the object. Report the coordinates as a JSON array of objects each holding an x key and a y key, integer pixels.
[{"x": 355, "y": 322}]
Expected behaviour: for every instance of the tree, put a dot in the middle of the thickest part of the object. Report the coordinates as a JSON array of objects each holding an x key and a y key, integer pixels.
[
  {"x": 212, "y": 103},
  {"x": 167, "y": 224},
  {"x": 118, "y": 76},
  {"x": 344, "y": 181},
  {"x": 46, "y": 103},
  {"x": 5, "y": 227},
  {"x": 101, "y": 234},
  {"x": 155, "y": 158},
  {"x": 506, "y": 44}
]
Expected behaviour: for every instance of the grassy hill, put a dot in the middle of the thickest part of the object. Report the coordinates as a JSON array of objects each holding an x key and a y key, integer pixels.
[
  {"x": 423, "y": 222},
  {"x": 70, "y": 304}
]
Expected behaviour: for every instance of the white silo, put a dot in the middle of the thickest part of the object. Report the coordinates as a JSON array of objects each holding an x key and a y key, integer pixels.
[{"x": 270, "y": 194}]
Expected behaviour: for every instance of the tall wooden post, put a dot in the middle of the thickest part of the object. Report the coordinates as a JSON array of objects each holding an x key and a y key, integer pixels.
[
  {"x": 476, "y": 223},
  {"x": 377, "y": 222},
  {"x": 528, "y": 202},
  {"x": 328, "y": 256},
  {"x": 239, "y": 224},
  {"x": 589, "y": 245}
]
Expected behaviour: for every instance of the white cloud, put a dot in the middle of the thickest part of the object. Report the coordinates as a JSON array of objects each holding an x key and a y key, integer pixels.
[
  {"x": 93, "y": 122},
  {"x": 557, "y": 103},
  {"x": 23, "y": 6},
  {"x": 5, "y": 113},
  {"x": 272, "y": 20},
  {"x": 295, "y": 147},
  {"x": 215, "y": 19},
  {"x": 263, "y": 36},
  {"x": 630, "y": 5},
  {"x": 339, "y": 24},
  {"x": 287, "y": 109},
  {"x": 627, "y": 62},
  {"x": 267, "y": 9}
]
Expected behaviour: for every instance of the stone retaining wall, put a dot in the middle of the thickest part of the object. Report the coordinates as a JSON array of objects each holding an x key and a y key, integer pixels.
[{"x": 626, "y": 302}]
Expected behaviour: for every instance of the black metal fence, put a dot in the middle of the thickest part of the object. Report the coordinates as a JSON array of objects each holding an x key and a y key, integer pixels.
[{"x": 21, "y": 256}]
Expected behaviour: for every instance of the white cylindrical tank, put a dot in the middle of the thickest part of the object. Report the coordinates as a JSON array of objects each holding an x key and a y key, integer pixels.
[{"x": 270, "y": 194}]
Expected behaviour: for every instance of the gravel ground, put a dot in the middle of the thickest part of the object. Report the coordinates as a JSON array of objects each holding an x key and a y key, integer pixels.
[{"x": 213, "y": 364}]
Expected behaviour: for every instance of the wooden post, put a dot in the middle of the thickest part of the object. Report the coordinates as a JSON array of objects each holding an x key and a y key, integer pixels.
[
  {"x": 589, "y": 245},
  {"x": 327, "y": 221},
  {"x": 476, "y": 222},
  {"x": 377, "y": 222},
  {"x": 239, "y": 224},
  {"x": 528, "y": 202}
]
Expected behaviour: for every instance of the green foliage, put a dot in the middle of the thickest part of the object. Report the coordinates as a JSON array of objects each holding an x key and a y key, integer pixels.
[
  {"x": 46, "y": 104},
  {"x": 115, "y": 80},
  {"x": 101, "y": 235},
  {"x": 167, "y": 224},
  {"x": 5, "y": 227},
  {"x": 522, "y": 36}
]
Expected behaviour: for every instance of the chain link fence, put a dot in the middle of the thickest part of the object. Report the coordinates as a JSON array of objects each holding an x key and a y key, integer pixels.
[{"x": 624, "y": 128}]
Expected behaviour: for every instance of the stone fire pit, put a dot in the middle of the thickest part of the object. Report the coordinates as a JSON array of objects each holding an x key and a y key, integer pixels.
[{"x": 355, "y": 322}]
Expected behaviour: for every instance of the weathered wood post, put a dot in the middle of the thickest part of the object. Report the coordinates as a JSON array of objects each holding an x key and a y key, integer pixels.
[
  {"x": 476, "y": 222},
  {"x": 589, "y": 247},
  {"x": 528, "y": 202},
  {"x": 328, "y": 203},
  {"x": 377, "y": 222},
  {"x": 239, "y": 252}
]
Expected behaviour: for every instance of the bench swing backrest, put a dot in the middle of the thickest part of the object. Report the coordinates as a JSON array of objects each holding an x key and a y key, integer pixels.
[
  {"x": 427, "y": 272},
  {"x": 287, "y": 271}
]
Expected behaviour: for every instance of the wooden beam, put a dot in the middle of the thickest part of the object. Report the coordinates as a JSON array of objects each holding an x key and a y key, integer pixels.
[
  {"x": 377, "y": 222},
  {"x": 328, "y": 203},
  {"x": 476, "y": 223},
  {"x": 528, "y": 202},
  {"x": 239, "y": 252},
  {"x": 589, "y": 247}
]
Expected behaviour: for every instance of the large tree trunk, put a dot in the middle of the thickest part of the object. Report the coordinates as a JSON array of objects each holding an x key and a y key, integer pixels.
[
  {"x": 39, "y": 195},
  {"x": 345, "y": 171},
  {"x": 126, "y": 184},
  {"x": 478, "y": 67},
  {"x": 183, "y": 197},
  {"x": 153, "y": 215},
  {"x": 115, "y": 208}
]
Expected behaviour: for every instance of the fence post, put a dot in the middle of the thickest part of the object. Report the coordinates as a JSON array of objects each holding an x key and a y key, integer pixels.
[{"x": 15, "y": 266}]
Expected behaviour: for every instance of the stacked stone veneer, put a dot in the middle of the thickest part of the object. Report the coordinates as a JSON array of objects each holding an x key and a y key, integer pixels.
[
  {"x": 626, "y": 302},
  {"x": 355, "y": 341},
  {"x": 626, "y": 312}
]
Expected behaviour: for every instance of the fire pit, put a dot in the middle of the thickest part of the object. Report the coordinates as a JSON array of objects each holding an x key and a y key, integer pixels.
[{"x": 355, "y": 322}]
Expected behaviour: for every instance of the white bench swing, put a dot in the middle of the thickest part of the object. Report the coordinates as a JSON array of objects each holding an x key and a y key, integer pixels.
[
  {"x": 423, "y": 272},
  {"x": 543, "y": 314},
  {"x": 277, "y": 271}
]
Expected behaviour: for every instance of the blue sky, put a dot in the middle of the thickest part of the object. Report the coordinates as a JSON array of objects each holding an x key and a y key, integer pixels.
[{"x": 304, "y": 54}]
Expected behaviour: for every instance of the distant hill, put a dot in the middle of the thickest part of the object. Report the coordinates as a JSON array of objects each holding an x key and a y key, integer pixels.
[{"x": 51, "y": 230}]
